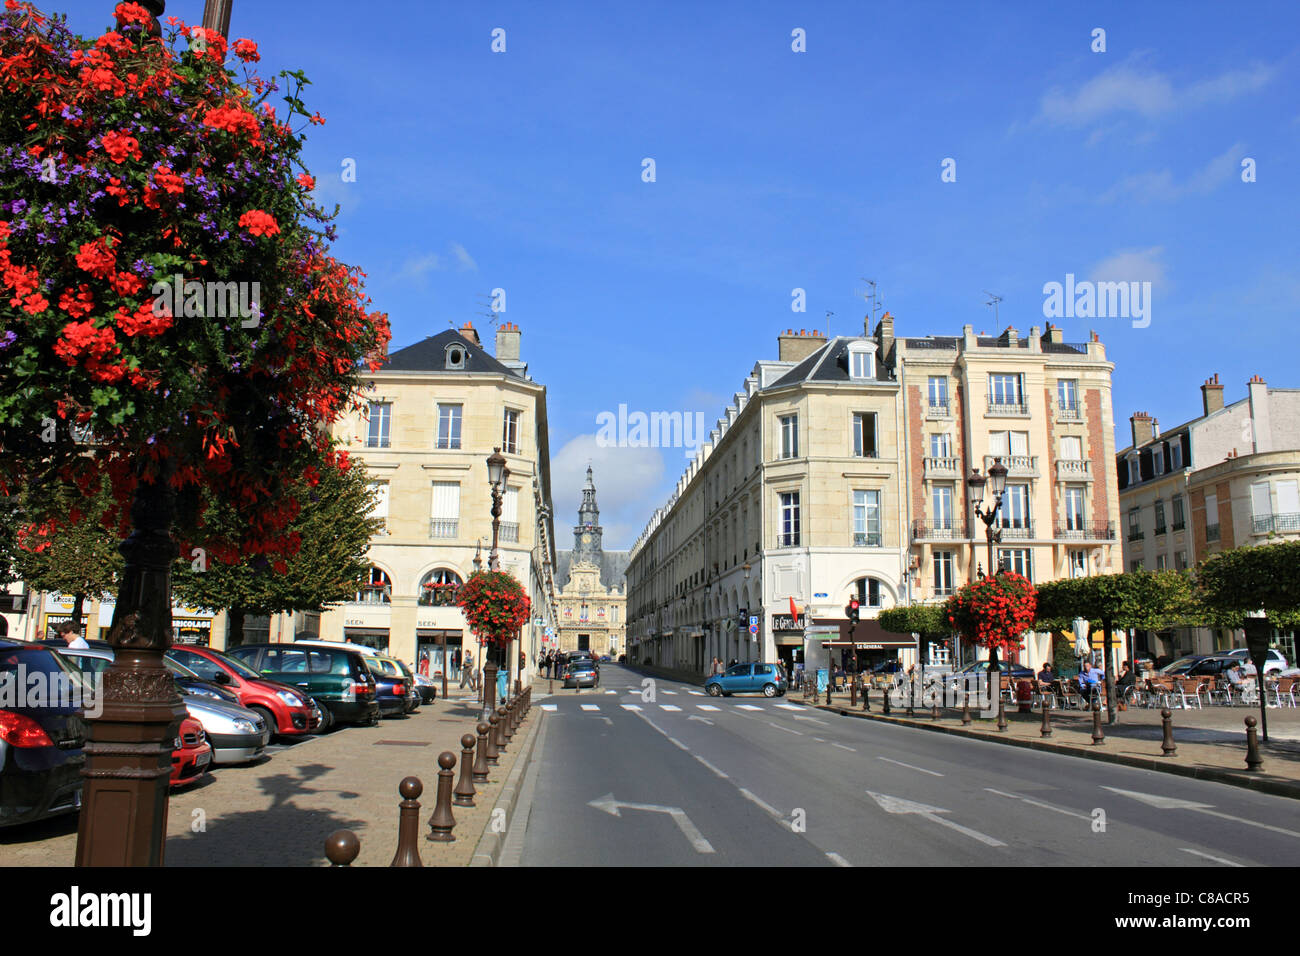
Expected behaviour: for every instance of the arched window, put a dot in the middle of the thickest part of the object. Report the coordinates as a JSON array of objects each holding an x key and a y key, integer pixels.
[
  {"x": 375, "y": 588},
  {"x": 868, "y": 591},
  {"x": 438, "y": 588}
]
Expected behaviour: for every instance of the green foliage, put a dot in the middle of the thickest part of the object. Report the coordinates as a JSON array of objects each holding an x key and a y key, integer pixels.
[
  {"x": 1235, "y": 582},
  {"x": 915, "y": 619},
  {"x": 81, "y": 557},
  {"x": 1140, "y": 599}
]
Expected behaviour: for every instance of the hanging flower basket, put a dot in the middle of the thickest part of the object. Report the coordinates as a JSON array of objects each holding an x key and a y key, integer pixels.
[
  {"x": 994, "y": 612},
  {"x": 495, "y": 606}
]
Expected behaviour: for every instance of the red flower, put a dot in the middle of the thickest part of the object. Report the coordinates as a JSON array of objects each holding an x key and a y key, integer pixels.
[
  {"x": 164, "y": 178},
  {"x": 143, "y": 321},
  {"x": 133, "y": 13},
  {"x": 307, "y": 182},
  {"x": 119, "y": 145},
  {"x": 246, "y": 50},
  {"x": 78, "y": 305},
  {"x": 126, "y": 283},
  {"x": 259, "y": 223},
  {"x": 97, "y": 258}
]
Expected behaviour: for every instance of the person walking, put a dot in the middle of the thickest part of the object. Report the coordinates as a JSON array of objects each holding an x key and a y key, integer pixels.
[
  {"x": 71, "y": 635},
  {"x": 467, "y": 677}
]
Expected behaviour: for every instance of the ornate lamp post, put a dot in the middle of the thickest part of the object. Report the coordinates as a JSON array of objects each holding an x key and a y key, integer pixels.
[
  {"x": 996, "y": 484},
  {"x": 758, "y": 655},
  {"x": 497, "y": 475}
]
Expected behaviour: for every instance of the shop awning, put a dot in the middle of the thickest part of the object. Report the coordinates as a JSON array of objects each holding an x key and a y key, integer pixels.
[{"x": 867, "y": 635}]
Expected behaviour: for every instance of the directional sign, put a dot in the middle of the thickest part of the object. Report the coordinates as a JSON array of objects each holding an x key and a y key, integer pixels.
[
  {"x": 612, "y": 806},
  {"x": 924, "y": 811}
]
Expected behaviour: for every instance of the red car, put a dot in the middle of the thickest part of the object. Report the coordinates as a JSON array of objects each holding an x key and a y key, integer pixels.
[
  {"x": 193, "y": 753},
  {"x": 287, "y": 710}
]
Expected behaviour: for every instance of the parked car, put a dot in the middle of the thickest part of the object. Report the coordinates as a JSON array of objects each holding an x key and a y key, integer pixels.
[
  {"x": 414, "y": 697},
  {"x": 191, "y": 753},
  {"x": 426, "y": 687},
  {"x": 41, "y": 754},
  {"x": 604, "y": 659},
  {"x": 581, "y": 673},
  {"x": 95, "y": 660},
  {"x": 237, "y": 734},
  {"x": 390, "y": 686},
  {"x": 1180, "y": 666},
  {"x": 1274, "y": 663},
  {"x": 766, "y": 679},
  {"x": 336, "y": 677},
  {"x": 287, "y": 710},
  {"x": 1005, "y": 669}
]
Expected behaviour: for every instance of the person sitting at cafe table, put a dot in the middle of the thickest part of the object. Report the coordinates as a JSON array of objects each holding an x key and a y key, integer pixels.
[
  {"x": 1240, "y": 683},
  {"x": 1089, "y": 679},
  {"x": 1127, "y": 678},
  {"x": 1046, "y": 675}
]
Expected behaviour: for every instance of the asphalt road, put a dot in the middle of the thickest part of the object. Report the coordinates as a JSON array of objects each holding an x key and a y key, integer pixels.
[{"x": 685, "y": 779}]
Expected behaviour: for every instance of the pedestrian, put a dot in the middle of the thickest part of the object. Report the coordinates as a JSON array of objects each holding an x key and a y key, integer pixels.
[
  {"x": 1088, "y": 680},
  {"x": 467, "y": 672},
  {"x": 71, "y": 635},
  {"x": 1127, "y": 679}
]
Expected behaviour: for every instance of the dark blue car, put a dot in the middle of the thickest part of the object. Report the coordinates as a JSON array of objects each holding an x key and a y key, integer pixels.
[
  {"x": 766, "y": 679},
  {"x": 41, "y": 739}
]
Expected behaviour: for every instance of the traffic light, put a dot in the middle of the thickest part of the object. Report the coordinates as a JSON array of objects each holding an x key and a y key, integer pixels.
[{"x": 851, "y": 611}]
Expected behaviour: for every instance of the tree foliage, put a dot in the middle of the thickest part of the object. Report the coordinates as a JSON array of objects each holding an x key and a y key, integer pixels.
[
  {"x": 1264, "y": 577},
  {"x": 79, "y": 557},
  {"x": 924, "y": 619},
  {"x": 1140, "y": 599}
]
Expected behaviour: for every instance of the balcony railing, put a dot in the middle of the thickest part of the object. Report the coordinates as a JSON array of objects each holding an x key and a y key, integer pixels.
[
  {"x": 442, "y": 527},
  {"x": 1085, "y": 531},
  {"x": 1073, "y": 469},
  {"x": 788, "y": 540},
  {"x": 1011, "y": 409},
  {"x": 951, "y": 529},
  {"x": 867, "y": 539},
  {"x": 1135, "y": 535},
  {"x": 1160, "y": 529},
  {"x": 1017, "y": 466},
  {"x": 1069, "y": 413},
  {"x": 938, "y": 410},
  {"x": 1178, "y": 526},
  {"x": 1022, "y": 530},
  {"x": 1276, "y": 524},
  {"x": 948, "y": 467},
  {"x": 1211, "y": 532},
  {"x": 510, "y": 531}
]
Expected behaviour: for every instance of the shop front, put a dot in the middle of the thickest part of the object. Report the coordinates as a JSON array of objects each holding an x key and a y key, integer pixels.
[
  {"x": 375, "y": 638},
  {"x": 439, "y": 651},
  {"x": 788, "y": 637}
]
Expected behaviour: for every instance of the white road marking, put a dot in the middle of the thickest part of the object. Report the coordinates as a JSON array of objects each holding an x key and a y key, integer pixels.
[
  {"x": 696, "y": 693},
  {"x": 703, "y": 720},
  {"x": 612, "y": 806},
  {"x": 710, "y": 766},
  {"x": 611, "y": 692},
  {"x": 747, "y": 707},
  {"x": 766, "y": 806},
  {"x": 707, "y": 707},
  {"x": 838, "y": 860},
  {"x": 1173, "y": 803},
  {"x": 671, "y": 692},
  {"x": 590, "y": 707},
  {"x": 631, "y": 707},
  {"x": 1039, "y": 803},
  {"x": 789, "y": 706},
  {"x": 1216, "y": 859},
  {"x": 788, "y": 730},
  {"x": 812, "y": 720},
  {"x": 842, "y": 747},
  {"x": 669, "y": 707},
  {"x": 924, "y": 811},
  {"x": 820, "y": 740},
  {"x": 548, "y": 707},
  {"x": 909, "y": 766},
  {"x": 678, "y": 744}
]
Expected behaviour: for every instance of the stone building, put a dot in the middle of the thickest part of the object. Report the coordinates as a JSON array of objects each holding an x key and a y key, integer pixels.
[{"x": 592, "y": 599}]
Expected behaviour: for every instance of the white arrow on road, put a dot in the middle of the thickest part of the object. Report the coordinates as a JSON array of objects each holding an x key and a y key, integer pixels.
[
  {"x": 1173, "y": 803},
  {"x": 701, "y": 719},
  {"x": 899, "y": 805},
  {"x": 813, "y": 720},
  {"x": 610, "y": 805}
]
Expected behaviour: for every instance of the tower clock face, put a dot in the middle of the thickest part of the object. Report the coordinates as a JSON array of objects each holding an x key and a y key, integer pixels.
[{"x": 586, "y": 539}]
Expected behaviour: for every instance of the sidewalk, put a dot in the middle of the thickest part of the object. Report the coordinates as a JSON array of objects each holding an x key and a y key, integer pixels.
[{"x": 1211, "y": 741}]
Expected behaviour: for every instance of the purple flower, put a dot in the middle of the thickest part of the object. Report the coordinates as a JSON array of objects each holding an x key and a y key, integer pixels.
[{"x": 8, "y": 339}]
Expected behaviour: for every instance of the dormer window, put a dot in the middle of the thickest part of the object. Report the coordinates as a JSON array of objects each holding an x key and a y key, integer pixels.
[
  {"x": 455, "y": 355},
  {"x": 1134, "y": 474},
  {"x": 862, "y": 362}
]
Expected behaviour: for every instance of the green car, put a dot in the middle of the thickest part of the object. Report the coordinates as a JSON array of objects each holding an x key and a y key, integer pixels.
[{"x": 333, "y": 674}]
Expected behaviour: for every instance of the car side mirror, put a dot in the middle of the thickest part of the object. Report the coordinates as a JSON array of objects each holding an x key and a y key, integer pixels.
[{"x": 221, "y": 677}]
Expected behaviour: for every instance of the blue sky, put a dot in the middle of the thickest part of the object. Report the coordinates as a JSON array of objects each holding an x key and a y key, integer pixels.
[{"x": 778, "y": 170}]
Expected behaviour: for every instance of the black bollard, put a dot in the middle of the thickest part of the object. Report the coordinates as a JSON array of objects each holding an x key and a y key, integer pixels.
[
  {"x": 342, "y": 847},
  {"x": 1046, "y": 729},
  {"x": 866, "y": 696},
  {"x": 1097, "y": 736},
  {"x": 442, "y": 822},
  {"x": 501, "y": 730},
  {"x": 1253, "y": 760},
  {"x": 464, "y": 792},
  {"x": 1167, "y": 746},
  {"x": 480, "y": 774},
  {"x": 885, "y": 708},
  {"x": 408, "y": 823},
  {"x": 492, "y": 752}
]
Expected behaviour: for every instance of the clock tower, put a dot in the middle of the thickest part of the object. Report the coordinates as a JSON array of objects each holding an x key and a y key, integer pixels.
[{"x": 586, "y": 534}]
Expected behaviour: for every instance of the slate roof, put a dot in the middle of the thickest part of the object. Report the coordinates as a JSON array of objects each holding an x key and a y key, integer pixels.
[
  {"x": 613, "y": 568},
  {"x": 430, "y": 355},
  {"x": 829, "y": 363}
]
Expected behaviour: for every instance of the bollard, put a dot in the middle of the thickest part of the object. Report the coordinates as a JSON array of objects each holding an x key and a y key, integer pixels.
[
  {"x": 501, "y": 731},
  {"x": 1002, "y": 713},
  {"x": 1097, "y": 736},
  {"x": 408, "y": 823},
  {"x": 866, "y": 697},
  {"x": 508, "y": 724},
  {"x": 885, "y": 708},
  {"x": 442, "y": 822},
  {"x": 1046, "y": 729},
  {"x": 1253, "y": 760},
  {"x": 911, "y": 698},
  {"x": 342, "y": 847},
  {"x": 965, "y": 707},
  {"x": 464, "y": 792},
  {"x": 853, "y": 693},
  {"x": 1167, "y": 746},
  {"x": 480, "y": 756},
  {"x": 492, "y": 752}
]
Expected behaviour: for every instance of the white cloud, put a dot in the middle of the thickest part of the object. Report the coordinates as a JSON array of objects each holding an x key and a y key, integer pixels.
[
  {"x": 1126, "y": 88},
  {"x": 463, "y": 259},
  {"x": 1147, "y": 187},
  {"x": 418, "y": 267},
  {"x": 1132, "y": 265},
  {"x": 627, "y": 484}
]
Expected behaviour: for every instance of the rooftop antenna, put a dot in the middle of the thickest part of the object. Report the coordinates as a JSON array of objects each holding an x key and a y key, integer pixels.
[
  {"x": 873, "y": 298},
  {"x": 490, "y": 314},
  {"x": 993, "y": 301},
  {"x": 829, "y": 313}
]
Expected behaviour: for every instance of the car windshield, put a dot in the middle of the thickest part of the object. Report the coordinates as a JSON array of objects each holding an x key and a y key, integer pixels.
[
  {"x": 1181, "y": 664},
  {"x": 179, "y": 670},
  {"x": 236, "y": 665}
]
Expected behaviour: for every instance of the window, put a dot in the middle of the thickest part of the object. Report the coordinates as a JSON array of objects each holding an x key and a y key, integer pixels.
[
  {"x": 1006, "y": 445},
  {"x": 1004, "y": 389},
  {"x": 1134, "y": 473},
  {"x": 789, "y": 436},
  {"x": 864, "y": 434},
  {"x": 510, "y": 432},
  {"x": 1158, "y": 458},
  {"x": 939, "y": 393},
  {"x": 1160, "y": 562},
  {"x": 449, "y": 426},
  {"x": 380, "y": 509},
  {"x": 1019, "y": 560},
  {"x": 1074, "y": 516},
  {"x": 1179, "y": 521},
  {"x": 1072, "y": 448},
  {"x": 1067, "y": 394},
  {"x": 438, "y": 588},
  {"x": 1015, "y": 507},
  {"x": 375, "y": 588},
  {"x": 941, "y": 506},
  {"x": 1176, "y": 454},
  {"x": 1134, "y": 524},
  {"x": 1135, "y": 565},
  {"x": 455, "y": 356},
  {"x": 510, "y": 516},
  {"x": 445, "y": 517},
  {"x": 789, "y": 534},
  {"x": 1261, "y": 500},
  {"x": 943, "y": 573},
  {"x": 861, "y": 364},
  {"x": 1211, "y": 518},
  {"x": 1160, "y": 517},
  {"x": 1180, "y": 560},
  {"x": 866, "y": 519},
  {"x": 869, "y": 592},
  {"x": 381, "y": 414},
  {"x": 941, "y": 446},
  {"x": 1078, "y": 564}
]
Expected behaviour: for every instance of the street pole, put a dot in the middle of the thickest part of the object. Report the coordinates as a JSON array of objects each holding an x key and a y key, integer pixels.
[{"x": 216, "y": 16}]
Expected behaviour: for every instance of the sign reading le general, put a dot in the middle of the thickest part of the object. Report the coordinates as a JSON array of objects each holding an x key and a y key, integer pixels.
[{"x": 784, "y": 622}]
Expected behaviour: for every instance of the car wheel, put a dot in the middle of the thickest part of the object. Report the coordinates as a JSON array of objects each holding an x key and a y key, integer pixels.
[
  {"x": 714, "y": 690},
  {"x": 769, "y": 690},
  {"x": 271, "y": 724}
]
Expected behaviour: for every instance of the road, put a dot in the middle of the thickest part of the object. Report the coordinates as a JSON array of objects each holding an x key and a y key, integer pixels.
[{"x": 685, "y": 779}]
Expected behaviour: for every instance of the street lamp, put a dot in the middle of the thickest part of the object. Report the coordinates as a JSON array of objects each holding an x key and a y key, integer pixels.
[
  {"x": 996, "y": 483},
  {"x": 497, "y": 475},
  {"x": 757, "y": 653}
]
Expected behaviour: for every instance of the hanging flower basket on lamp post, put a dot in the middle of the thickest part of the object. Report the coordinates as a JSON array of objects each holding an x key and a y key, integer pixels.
[{"x": 994, "y": 612}]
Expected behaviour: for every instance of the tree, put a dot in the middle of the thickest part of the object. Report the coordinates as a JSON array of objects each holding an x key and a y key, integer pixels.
[
  {"x": 333, "y": 528},
  {"x": 993, "y": 612},
  {"x": 1141, "y": 599},
  {"x": 930, "y": 621},
  {"x": 1234, "y": 583}
]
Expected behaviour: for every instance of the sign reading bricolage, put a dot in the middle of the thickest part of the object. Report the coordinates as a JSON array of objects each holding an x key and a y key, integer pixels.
[{"x": 784, "y": 622}]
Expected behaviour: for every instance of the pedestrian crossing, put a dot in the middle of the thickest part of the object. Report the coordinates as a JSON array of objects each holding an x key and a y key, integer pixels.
[{"x": 676, "y": 708}]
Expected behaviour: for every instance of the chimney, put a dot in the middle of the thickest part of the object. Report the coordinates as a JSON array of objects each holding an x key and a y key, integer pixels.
[
  {"x": 1212, "y": 394},
  {"x": 468, "y": 331},
  {"x": 508, "y": 335},
  {"x": 1009, "y": 337},
  {"x": 1144, "y": 428},
  {"x": 885, "y": 336},
  {"x": 1261, "y": 421},
  {"x": 797, "y": 346},
  {"x": 1054, "y": 334}
]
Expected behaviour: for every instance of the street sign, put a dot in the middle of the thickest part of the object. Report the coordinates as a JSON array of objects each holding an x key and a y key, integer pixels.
[
  {"x": 753, "y": 622},
  {"x": 821, "y": 595},
  {"x": 753, "y": 628},
  {"x": 815, "y": 629}
]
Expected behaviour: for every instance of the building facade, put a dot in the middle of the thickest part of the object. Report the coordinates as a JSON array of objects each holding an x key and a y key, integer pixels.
[
  {"x": 1228, "y": 478},
  {"x": 592, "y": 600}
]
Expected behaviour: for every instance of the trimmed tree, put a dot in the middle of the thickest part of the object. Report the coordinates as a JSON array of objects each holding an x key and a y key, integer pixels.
[
  {"x": 930, "y": 621},
  {"x": 1234, "y": 583}
]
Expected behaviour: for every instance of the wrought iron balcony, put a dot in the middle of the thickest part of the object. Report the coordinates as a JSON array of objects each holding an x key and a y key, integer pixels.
[
  {"x": 443, "y": 527},
  {"x": 938, "y": 410},
  {"x": 1073, "y": 469},
  {"x": 1022, "y": 530},
  {"x": 1085, "y": 530},
  {"x": 869, "y": 539},
  {"x": 951, "y": 529},
  {"x": 1008, "y": 409},
  {"x": 790, "y": 540},
  {"x": 1211, "y": 532},
  {"x": 510, "y": 532},
  {"x": 1136, "y": 535},
  {"x": 1069, "y": 413},
  {"x": 1276, "y": 524}
]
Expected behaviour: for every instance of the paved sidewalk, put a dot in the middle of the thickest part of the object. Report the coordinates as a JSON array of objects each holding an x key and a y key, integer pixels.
[
  {"x": 279, "y": 811},
  {"x": 1211, "y": 741}
]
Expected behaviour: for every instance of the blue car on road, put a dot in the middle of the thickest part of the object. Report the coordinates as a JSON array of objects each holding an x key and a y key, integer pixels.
[{"x": 766, "y": 679}]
